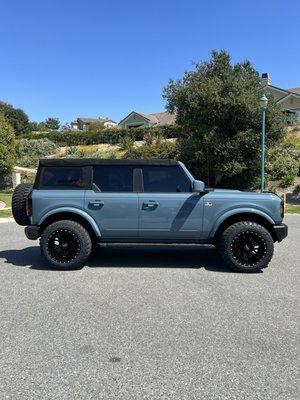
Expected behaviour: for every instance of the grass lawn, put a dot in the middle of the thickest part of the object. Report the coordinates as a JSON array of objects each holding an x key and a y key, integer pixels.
[
  {"x": 5, "y": 213},
  {"x": 6, "y": 197},
  {"x": 289, "y": 208}
]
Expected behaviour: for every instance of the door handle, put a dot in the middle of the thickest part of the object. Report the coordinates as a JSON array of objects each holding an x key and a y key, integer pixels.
[
  {"x": 96, "y": 203},
  {"x": 150, "y": 204}
]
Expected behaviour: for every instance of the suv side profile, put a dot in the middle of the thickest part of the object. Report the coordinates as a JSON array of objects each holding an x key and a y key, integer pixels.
[{"x": 77, "y": 203}]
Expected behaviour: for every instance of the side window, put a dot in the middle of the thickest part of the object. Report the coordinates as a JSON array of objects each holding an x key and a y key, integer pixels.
[
  {"x": 113, "y": 178},
  {"x": 169, "y": 179},
  {"x": 62, "y": 178}
]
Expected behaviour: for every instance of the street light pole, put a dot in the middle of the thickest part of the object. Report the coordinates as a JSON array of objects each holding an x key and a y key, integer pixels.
[{"x": 263, "y": 106}]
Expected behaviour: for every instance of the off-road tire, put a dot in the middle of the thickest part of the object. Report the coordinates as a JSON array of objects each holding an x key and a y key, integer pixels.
[
  {"x": 19, "y": 203},
  {"x": 259, "y": 240},
  {"x": 78, "y": 235}
]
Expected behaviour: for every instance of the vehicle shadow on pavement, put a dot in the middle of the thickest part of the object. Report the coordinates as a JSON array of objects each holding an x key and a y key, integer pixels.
[{"x": 158, "y": 256}]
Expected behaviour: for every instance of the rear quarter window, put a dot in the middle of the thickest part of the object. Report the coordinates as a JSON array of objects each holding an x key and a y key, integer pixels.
[{"x": 63, "y": 178}]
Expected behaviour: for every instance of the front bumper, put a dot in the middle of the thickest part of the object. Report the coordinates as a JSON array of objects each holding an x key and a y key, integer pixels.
[
  {"x": 281, "y": 231},
  {"x": 32, "y": 232}
]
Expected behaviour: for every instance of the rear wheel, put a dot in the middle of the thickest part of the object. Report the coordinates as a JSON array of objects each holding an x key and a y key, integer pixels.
[
  {"x": 246, "y": 246},
  {"x": 66, "y": 245}
]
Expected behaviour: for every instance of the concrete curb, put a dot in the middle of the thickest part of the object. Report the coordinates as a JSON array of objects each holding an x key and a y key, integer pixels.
[{"x": 4, "y": 220}]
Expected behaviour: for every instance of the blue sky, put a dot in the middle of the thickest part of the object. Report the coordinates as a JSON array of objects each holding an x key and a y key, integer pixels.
[{"x": 73, "y": 58}]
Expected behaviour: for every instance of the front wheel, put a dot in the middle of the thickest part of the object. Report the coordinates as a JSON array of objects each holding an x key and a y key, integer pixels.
[
  {"x": 66, "y": 245},
  {"x": 246, "y": 246}
]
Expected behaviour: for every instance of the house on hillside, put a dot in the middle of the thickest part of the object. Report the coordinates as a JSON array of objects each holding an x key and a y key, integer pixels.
[
  {"x": 137, "y": 120},
  {"x": 288, "y": 99},
  {"x": 82, "y": 124}
]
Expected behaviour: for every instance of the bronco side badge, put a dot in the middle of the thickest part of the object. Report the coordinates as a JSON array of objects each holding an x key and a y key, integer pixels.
[{"x": 208, "y": 203}]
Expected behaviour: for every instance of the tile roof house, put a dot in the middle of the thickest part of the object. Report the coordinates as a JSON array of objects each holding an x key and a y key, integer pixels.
[
  {"x": 82, "y": 124},
  {"x": 137, "y": 119},
  {"x": 288, "y": 99}
]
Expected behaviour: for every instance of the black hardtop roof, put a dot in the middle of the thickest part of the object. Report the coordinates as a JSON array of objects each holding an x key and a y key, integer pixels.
[{"x": 82, "y": 162}]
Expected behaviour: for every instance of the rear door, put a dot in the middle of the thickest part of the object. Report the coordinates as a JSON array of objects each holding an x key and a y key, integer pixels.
[
  {"x": 113, "y": 203},
  {"x": 168, "y": 209}
]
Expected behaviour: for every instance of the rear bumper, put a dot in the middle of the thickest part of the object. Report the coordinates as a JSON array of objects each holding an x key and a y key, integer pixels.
[
  {"x": 281, "y": 231},
  {"x": 32, "y": 232}
]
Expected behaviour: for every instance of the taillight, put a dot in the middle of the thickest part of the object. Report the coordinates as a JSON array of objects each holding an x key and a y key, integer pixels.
[{"x": 29, "y": 205}]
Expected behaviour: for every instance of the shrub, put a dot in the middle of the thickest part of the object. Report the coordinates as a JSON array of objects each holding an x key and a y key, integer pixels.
[
  {"x": 151, "y": 137},
  {"x": 158, "y": 149},
  {"x": 96, "y": 126},
  {"x": 292, "y": 140},
  {"x": 112, "y": 155},
  {"x": 282, "y": 163},
  {"x": 75, "y": 152},
  {"x": 110, "y": 136},
  {"x": 7, "y": 146},
  {"x": 71, "y": 151},
  {"x": 30, "y": 151},
  {"x": 5, "y": 181},
  {"x": 272, "y": 188},
  {"x": 287, "y": 180},
  {"x": 127, "y": 143},
  {"x": 296, "y": 190},
  {"x": 88, "y": 150}
]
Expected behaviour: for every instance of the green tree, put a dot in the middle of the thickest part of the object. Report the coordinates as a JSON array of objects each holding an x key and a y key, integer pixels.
[
  {"x": 7, "y": 146},
  {"x": 38, "y": 127},
  {"x": 217, "y": 104},
  {"x": 34, "y": 126},
  {"x": 52, "y": 123},
  {"x": 16, "y": 118},
  {"x": 96, "y": 126}
]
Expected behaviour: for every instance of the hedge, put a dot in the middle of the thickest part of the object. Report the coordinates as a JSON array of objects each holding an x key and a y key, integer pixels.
[
  {"x": 30, "y": 151},
  {"x": 111, "y": 136}
]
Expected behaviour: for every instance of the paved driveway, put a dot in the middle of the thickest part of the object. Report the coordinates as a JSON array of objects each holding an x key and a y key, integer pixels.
[{"x": 147, "y": 323}]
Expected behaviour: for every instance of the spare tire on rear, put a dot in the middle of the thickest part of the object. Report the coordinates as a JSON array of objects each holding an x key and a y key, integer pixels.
[{"x": 19, "y": 203}]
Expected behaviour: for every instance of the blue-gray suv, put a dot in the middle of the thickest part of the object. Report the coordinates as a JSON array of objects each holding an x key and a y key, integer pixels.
[{"x": 76, "y": 203}]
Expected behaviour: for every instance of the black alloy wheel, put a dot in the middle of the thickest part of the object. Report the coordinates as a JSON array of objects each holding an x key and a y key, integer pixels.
[
  {"x": 66, "y": 245},
  {"x": 63, "y": 246},
  {"x": 248, "y": 248}
]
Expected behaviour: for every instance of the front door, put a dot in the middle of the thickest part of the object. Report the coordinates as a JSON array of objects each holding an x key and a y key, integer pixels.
[
  {"x": 112, "y": 203},
  {"x": 168, "y": 210}
]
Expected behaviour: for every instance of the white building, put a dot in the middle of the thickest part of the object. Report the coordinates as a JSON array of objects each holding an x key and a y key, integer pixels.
[{"x": 82, "y": 124}]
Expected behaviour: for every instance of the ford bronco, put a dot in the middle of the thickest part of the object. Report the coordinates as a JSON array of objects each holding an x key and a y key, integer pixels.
[{"x": 76, "y": 203}]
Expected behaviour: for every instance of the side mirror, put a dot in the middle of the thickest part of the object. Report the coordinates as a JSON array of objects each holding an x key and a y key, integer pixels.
[{"x": 198, "y": 186}]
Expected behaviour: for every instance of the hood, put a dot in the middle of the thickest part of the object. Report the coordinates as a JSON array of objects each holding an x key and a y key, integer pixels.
[
  {"x": 226, "y": 190},
  {"x": 232, "y": 193}
]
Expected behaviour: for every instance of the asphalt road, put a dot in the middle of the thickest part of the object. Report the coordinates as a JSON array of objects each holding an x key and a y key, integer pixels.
[{"x": 147, "y": 323}]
